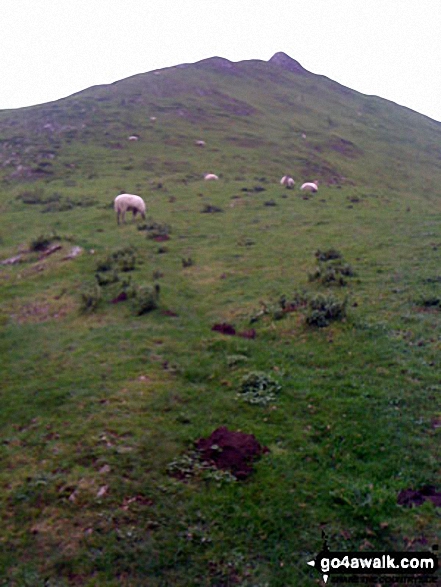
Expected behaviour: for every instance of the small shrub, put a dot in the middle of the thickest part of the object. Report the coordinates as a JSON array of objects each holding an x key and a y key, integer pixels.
[
  {"x": 332, "y": 273},
  {"x": 234, "y": 360},
  {"x": 328, "y": 255},
  {"x": 210, "y": 209},
  {"x": 187, "y": 262},
  {"x": 106, "y": 277},
  {"x": 90, "y": 298},
  {"x": 298, "y": 300},
  {"x": 258, "y": 388},
  {"x": 430, "y": 302},
  {"x": 322, "y": 309},
  {"x": 145, "y": 299},
  {"x": 332, "y": 269},
  {"x": 155, "y": 229},
  {"x": 282, "y": 307},
  {"x": 120, "y": 260}
]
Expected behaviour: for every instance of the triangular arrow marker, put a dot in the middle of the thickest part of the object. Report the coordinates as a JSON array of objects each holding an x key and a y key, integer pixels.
[
  {"x": 325, "y": 578},
  {"x": 311, "y": 563}
]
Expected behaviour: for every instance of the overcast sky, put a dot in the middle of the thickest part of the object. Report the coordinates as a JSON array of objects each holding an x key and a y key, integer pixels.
[{"x": 50, "y": 49}]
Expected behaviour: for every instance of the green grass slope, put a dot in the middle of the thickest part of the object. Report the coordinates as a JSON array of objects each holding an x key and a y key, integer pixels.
[{"x": 102, "y": 401}]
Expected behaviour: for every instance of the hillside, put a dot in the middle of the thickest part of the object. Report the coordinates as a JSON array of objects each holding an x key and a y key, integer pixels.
[
  {"x": 256, "y": 115},
  {"x": 312, "y": 322}
]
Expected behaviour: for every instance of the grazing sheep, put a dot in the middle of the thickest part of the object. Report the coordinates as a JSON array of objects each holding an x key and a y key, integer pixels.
[
  {"x": 210, "y": 176},
  {"x": 133, "y": 138},
  {"x": 200, "y": 143},
  {"x": 126, "y": 203},
  {"x": 311, "y": 186},
  {"x": 287, "y": 181}
]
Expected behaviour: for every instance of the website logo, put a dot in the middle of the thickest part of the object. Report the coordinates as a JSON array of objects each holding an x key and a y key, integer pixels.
[{"x": 329, "y": 563}]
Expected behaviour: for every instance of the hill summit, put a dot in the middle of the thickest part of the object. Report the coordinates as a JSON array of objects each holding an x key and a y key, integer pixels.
[{"x": 287, "y": 62}]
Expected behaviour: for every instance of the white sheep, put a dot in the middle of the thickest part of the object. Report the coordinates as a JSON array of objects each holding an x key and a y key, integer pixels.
[
  {"x": 287, "y": 181},
  {"x": 133, "y": 138},
  {"x": 128, "y": 203},
  {"x": 200, "y": 143},
  {"x": 210, "y": 176},
  {"x": 311, "y": 186}
]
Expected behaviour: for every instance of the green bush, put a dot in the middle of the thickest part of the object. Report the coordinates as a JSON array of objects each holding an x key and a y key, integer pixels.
[
  {"x": 210, "y": 209},
  {"x": 430, "y": 301},
  {"x": 155, "y": 229},
  {"x": 120, "y": 260},
  {"x": 322, "y": 309},
  {"x": 332, "y": 273},
  {"x": 144, "y": 298},
  {"x": 90, "y": 298},
  {"x": 258, "y": 388},
  {"x": 106, "y": 277},
  {"x": 328, "y": 255}
]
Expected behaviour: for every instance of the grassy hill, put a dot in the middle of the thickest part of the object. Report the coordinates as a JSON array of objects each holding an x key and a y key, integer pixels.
[{"x": 102, "y": 402}]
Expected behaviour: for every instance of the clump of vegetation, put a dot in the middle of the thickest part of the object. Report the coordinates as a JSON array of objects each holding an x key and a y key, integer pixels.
[
  {"x": 106, "y": 277},
  {"x": 328, "y": 255},
  {"x": 210, "y": 209},
  {"x": 155, "y": 229},
  {"x": 322, "y": 309},
  {"x": 332, "y": 273},
  {"x": 283, "y": 306},
  {"x": 192, "y": 466},
  {"x": 234, "y": 360},
  {"x": 187, "y": 262},
  {"x": 332, "y": 269},
  {"x": 90, "y": 298},
  {"x": 123, "y": 260},
  {"x": 145, "y": 299},
  {"x": 293, "y": 303},
  {"x": 258, "y": 388},
  {"x": 430, "y": 301}
]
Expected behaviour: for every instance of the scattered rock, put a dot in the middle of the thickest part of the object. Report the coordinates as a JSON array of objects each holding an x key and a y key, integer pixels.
[
  {"x": 231, "y": 451},
  {"x": 74, "y": 252},
  {"x": 12, "y": 260},
  {"x": 50, "y": 250}
]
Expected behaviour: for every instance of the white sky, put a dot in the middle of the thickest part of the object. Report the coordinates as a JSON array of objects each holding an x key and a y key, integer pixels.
[{"x": 50, "y": 49}]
